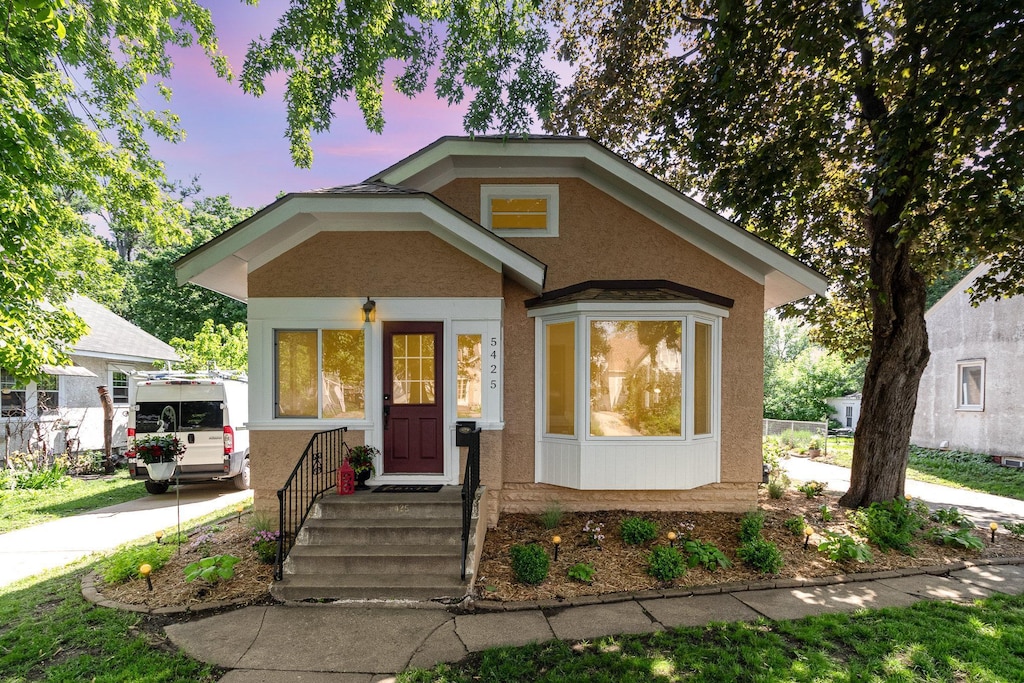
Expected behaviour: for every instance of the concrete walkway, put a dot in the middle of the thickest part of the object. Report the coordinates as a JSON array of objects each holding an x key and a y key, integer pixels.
[
  {"x": 359, "y": 644},
  {"x": 35, "y": 549}
]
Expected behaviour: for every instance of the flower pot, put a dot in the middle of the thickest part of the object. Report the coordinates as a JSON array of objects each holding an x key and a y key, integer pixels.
[
  {"x": 161, "y": 471},
  {"x": 361, "y": 478}
]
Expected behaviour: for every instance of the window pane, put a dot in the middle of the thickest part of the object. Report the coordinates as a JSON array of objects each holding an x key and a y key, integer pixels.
[
  {"x": 560, "y": 351},
  {"x": 344, "y": 374},
  {"x": 701, "y": 378},
  {"x": 296, "y": 373},
  {"x": 520, "y": 212},
  {"x": 412, "y": 369},
  {"x": 635, "y": 377},
  {"x": 970, "y": 385},
  {"x": 470, "y": 372},
  {"x": 12, "y": 395},
  {"x": 154, "y": 417},
  {"x": 202, "y": 416},
  {"x": 119, "y": 387}
]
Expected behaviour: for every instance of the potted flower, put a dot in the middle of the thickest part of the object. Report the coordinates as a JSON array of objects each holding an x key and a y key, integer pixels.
[
  {"x": 361, "y": 459},
  {"x": 160, "y": 453}
]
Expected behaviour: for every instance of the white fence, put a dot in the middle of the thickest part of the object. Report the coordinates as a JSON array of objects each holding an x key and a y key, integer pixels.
[{"x": 776, "y": 427}]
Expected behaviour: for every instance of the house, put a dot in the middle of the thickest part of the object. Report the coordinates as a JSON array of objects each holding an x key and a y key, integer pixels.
[
  {"x": 603, "y": 330},
  {"x": 847, "y": 410},
  {"x": 970, "y": 395},
  {"x": 63, "y": 404}
]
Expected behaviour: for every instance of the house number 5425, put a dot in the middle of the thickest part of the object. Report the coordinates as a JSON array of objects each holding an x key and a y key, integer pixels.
[{"x": 493, "y": 362}]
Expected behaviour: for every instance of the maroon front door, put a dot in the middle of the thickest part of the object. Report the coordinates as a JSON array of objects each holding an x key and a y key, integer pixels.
[{"x": 413, "y": 408}]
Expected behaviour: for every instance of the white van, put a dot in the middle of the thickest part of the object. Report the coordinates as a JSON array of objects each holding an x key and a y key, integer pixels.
[{"x": 207, "y": 413}]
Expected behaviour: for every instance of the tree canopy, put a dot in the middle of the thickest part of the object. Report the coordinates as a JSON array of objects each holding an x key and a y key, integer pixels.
[{"x": 71, "y": 125}]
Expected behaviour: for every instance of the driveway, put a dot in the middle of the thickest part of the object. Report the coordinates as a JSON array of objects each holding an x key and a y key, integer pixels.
[
  {"x": 982, "y": 508},
  {"x": 27, "y": 552}
]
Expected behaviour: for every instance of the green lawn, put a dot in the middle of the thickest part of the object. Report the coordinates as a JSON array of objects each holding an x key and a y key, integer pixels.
[
  {"x": 20, "y": 508},
  {"x": 931, "y": 641},
  {"x": 973, "y": 471}
]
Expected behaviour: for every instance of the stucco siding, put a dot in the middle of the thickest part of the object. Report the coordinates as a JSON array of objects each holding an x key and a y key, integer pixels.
[{"x": 992, "y": 332}]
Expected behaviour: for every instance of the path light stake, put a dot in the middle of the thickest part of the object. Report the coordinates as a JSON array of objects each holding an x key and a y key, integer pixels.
[
  {"x": 145, "y": 569},
  {"x": 671, "y": 538},
  {"x": 556, "y": 541},
  {"x": 993, "y": 526},
  {"x": 159, "y": 536},
  {"x": 807, "y": 536},
  {"x": 239, "y": 509}
]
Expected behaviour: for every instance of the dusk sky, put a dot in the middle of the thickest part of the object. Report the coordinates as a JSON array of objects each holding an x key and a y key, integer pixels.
[{"x": 236, "y": 142}]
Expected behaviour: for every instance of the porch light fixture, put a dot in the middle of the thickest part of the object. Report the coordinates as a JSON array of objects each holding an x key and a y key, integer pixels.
[{"x": 369, "y": 310}]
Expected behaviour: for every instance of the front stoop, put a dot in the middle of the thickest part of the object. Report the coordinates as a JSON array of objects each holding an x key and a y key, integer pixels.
[{"x": 381, "y": 546}]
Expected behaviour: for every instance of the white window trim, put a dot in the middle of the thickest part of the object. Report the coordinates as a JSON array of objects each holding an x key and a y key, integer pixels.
[
  {"x": 110, "y": 383},
  {"x": 548, "y": 192},
  {"x": 960, "y": 367}
]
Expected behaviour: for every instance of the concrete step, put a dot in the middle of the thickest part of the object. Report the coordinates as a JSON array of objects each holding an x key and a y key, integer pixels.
[
  {"x": 370, "y": 587},
  {"x": 402, "y": 531},
  {"x": 370, "y": 559},
  {"x": 444, "y": 503}
]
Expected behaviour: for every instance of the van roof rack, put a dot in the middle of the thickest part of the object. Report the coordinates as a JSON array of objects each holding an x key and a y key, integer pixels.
[{"x": 178, "y": 374}]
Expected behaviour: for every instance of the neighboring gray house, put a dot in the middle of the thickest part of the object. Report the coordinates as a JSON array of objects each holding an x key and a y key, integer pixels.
[
  {"x": 64, "y": 402},
  {"x": 847, "y": 410},
  {"x": 971, "y": 395}
]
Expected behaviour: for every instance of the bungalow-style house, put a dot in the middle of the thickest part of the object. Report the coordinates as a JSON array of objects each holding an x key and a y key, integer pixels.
[
  {"x": 970, "y": 395},
  {"x": 603, "y": 330},
  {"x": 63, "y": 404}
]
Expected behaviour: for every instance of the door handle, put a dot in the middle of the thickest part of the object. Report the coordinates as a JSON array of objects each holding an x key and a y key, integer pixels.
[{"x": 387, "y": 410}]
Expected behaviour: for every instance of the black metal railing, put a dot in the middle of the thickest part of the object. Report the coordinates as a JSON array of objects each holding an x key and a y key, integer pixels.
[
  {"x": 314, "y": 474},
  {"x": 470, "y": 483}
]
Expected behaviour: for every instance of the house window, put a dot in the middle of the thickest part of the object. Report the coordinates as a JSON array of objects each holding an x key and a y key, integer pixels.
[
  {"x": 119, "y": 386},
  {"x": 320, "y": 373},
  {"x": 469, "y": 384},
  {"x": 560, "y": 378},
  {"x": 970, "y": 385},
  {"x": 12, "y": 394},
  {"x": 636, "y": 381},
  {"x": 702, "y": 373},
  {"x": 520, "y": 210},
  {"x": 47, "y": 394}
]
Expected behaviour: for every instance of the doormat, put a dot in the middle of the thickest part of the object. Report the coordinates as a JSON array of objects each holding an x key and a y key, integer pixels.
[{"x": 406, "y": 488}]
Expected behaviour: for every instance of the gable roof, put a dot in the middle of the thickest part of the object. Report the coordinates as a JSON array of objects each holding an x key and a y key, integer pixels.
[
  {"x": 111, "y": 336},
  {"x": 223, "y": 264},
  {"x": 784, "y": 278}
]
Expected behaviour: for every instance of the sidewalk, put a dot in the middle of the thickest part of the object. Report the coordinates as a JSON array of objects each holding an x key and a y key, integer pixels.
[
  {"x": 27, "y": 552},
  {"x": 359, "y": 643}
]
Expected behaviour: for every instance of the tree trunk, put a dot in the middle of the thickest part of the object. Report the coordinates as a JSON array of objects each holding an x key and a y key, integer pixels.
[
  {"x": 899, "y": 354},
  {"x": 108, "y": 428}
]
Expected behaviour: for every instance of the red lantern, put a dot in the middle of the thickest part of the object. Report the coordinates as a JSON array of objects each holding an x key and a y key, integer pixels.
[{"x": 346, "y": 479}]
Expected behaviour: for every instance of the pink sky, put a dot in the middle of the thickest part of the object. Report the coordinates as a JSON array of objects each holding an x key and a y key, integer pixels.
[{"x": 235, "y": 142}]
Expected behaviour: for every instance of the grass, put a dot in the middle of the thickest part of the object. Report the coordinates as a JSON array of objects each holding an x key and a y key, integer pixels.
[
  {"x": 972, "y": 471},
  {"x": 931, "y": 641},
  {"x": 21, "y": 508}
]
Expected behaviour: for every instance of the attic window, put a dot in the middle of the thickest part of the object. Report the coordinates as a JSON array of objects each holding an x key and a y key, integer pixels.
[{"x": 520, "y": 210}]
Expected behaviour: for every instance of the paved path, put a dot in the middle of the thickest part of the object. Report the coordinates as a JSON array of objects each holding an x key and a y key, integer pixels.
[
  {"x": 35, "y": 549},
  {"x": 982, "y": 508},
  {"x": 360, "y": 644}
]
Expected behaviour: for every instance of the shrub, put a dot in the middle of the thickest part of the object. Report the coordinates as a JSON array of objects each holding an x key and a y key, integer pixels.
[
  {"x": 777, "y": 485},
  {"x": 751, "y": 525},
  {"x": 264, "y": 543},
  {"x": 812, "y": 489},
  {"x": 826, "y": 513},
  {"x": 212, "y": 569},
  {"x": 552, "y": 516},
  {"x": 951, "y": 517},
  {"x": 582, "y": 572},
  {"x": 637, "y": 530},
  {"x": 889, "y": 525},
  {"x": 795, "y": 439},
  {"x": 705, "y": 555},
  {"x": 961, "y": 537},
  {"x": 260, "y": 521},
  {"x": 796, "y": 525},
  {"x": 124, "y": 564},
  {"x": 772, "y": 452},
  {"x": 665, "y": 563},
  {"x": 1015, "y": 528},
  {"x": 841, "y": 548},
  {"x": 529, "y": 563},
  {"x": 761, "y": 555},
  {"x": 38, "y": 479}
]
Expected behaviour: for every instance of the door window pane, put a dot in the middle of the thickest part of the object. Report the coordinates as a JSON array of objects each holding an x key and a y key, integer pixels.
[
  {"x": 412, "y": 369},
  {"x": 701, "y": 378},
  {"x": 635, "y": 378},
  {"x": 296, "y": 373},
  {"x": 470, "y": 371},
  {"x": 560, "y": 353},
  {"x": 344, "y": 376}
]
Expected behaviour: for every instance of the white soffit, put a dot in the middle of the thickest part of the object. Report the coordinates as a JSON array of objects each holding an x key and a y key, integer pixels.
[{"x": 785, "y": 278}]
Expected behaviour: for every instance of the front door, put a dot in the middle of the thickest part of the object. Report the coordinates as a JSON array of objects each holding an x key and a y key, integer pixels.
[{"x": 413, "y": 407}]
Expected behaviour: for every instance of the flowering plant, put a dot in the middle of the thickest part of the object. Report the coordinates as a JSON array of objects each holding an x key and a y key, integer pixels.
[
  {"x": 360, "y": 458},
  {"x": 594, "y": 531},
  {"x": 265, "y": 544},
  {"x": 157, "y": 448}
]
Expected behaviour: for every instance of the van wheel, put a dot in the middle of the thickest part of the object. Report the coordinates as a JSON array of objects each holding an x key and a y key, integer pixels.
[
  {"x": 241, "y": 480},
  {"x": 156, "y": 487}
]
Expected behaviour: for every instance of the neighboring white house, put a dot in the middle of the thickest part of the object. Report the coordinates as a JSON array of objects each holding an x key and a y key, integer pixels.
[
  {"x": 847, "y": 409},
  {"x": 971, "y": 395},
  {"x": 64, "y": 403}
]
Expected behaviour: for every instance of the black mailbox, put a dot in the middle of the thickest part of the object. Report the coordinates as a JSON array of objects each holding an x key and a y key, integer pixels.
[{"x": 463, "y": 432}]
